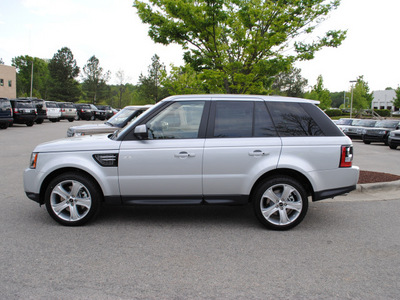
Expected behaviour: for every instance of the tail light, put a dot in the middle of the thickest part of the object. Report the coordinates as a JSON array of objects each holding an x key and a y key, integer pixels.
[{"x": 346, "y": 158}]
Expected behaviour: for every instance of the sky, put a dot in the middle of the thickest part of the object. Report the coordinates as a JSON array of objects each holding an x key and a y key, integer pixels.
[{"x": 113, "y": 32}]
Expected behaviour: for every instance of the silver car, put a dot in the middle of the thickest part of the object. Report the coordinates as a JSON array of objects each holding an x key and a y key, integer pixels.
[
  {"x": 118, "y": 121},
  {"x": 273, "y": 152}
]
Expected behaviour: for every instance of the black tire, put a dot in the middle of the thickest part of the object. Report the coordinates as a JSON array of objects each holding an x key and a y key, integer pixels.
[
  {"x": 394, "y": 147},
  {"x": 73, "y": 199},
  {"x": 277, "y": 212},
  {"x": 367, "y": 142},
  {"x": 39, "y": 121},
  {"x": 3, "y": 125},
  {"x": 30, "y": 123},
  {"x": 70, "y": 120}
]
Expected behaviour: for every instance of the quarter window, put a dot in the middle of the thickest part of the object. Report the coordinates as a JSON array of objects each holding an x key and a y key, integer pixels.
[{"x": 292, "y": 120}]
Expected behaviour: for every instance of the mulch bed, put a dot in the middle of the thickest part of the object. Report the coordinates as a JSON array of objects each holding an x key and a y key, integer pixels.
[{"x": 373, "y": 177}]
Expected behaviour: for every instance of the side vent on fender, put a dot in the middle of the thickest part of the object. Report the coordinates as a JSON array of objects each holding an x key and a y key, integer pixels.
[{"x": 106, "y": 160}]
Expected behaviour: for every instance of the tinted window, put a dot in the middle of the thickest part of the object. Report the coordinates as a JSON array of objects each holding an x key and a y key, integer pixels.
[
  {"x": 180, "y": 120},
  {"x": 235, "y": 119},
  {"x": 292, "y": 120}
]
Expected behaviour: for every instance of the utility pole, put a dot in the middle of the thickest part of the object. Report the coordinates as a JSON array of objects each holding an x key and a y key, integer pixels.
[
  {"x": 351, "y": 106},
  {"x": 31, "y": 79}
]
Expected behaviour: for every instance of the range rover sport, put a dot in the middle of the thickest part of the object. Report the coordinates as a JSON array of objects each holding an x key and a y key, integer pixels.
[{"x": 274, "y": 152}]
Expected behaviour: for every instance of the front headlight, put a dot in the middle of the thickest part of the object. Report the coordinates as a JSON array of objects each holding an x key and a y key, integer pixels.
[{"x": 34, "y": 157}]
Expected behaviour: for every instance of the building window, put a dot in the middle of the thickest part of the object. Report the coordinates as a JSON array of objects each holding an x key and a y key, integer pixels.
[
  {"x": 10, "y": 83},
  {"x": 1, "y": 82}
]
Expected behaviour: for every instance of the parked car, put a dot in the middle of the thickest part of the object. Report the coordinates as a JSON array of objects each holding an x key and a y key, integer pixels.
[
  {"x": 117, "y": 122},
  {"x": 24, "y": 112},
  {"x": 346, "y": 122},
  {"x": 275, "y": 152},
  {"x": 40, "y": 105},
  {"x": 6, "y": 113},
  {"x": 84, "y": 111},
  {"x": 68, "y": 111},
  {"x": 394, "y": 138},
  {"x": 356, "y": 131},
  {"x": 380, "y": 132},
  {"x": 108, "y": 109},
  {"x": 53, "y": 111},
  {"x": 98, "y": 113}
]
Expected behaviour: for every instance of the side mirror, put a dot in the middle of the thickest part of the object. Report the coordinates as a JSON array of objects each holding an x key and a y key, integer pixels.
[{"x": 141, "y": 132}]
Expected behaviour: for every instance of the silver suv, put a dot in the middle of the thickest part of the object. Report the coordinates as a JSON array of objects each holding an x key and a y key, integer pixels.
[{"x": 274, "y": 152}]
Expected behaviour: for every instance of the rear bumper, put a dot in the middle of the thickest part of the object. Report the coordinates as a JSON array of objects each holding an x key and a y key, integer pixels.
[{"x": 333, "y": 193}]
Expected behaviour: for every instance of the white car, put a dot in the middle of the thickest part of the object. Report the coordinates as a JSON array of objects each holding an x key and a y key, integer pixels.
[
  {"x": 274, "y": 152},
  {"x": 53, "y": 111}
]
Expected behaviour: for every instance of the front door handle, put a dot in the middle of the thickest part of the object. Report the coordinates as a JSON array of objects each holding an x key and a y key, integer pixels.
[{"x": 184, "y": 154}]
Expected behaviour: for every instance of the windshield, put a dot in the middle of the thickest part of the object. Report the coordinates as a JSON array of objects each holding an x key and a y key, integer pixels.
[
  {"x": 387, "y": 124},
  {"x": 345, "y": 122},
  {"x": 366, "y": 123},
  {"x": 123, "y": 117}
]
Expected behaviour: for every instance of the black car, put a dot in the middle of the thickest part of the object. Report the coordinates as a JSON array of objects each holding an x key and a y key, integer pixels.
[
  {"x": 380, "y": 132},
  {"x": 40, "y": 105},
  {"x": 6, "y": 114},
  {"x": 107, "y": 109},
  {"x": 84, "y": 111},
  {"x": 24, "y": 111},
  {"x": 98, "y": 113}
]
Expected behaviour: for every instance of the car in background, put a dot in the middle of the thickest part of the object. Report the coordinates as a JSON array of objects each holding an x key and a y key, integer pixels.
[
  {"x": 108, "y": 110},
  {"x": 120, "y": 120},
  {"x": 355, "y": 131},
  {"x": 380, "y": 132},
  {"x": 98, "y": 114},
  {"x": 6, "y": 113},
  {"x": 53, "y": 111},
  {"x": 24, "y": 112},
  {"x": 394, "y": 138},
  {"x": 40, "y": 105},
  {"x": 68, "y": 111},
  {"x": 84, "y": 111},
  {"x": 346, "y": 122}
]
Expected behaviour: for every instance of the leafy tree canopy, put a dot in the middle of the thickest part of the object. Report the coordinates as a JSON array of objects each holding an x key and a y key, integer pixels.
[
  {"x": 290, "y": 83},
  {"x": 63, "y": 70},
  {"x": 240, "y": 45},
  {"x": 321, "y": 94},
  {"x": 41, "y": 76},
  {"x": 95, "y": 80}
]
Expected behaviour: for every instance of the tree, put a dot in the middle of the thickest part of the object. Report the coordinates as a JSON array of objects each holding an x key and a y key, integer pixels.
[
  {"x": 94, "y": 80},
  {"x": 290, "y": 83},
  {"x": 320, "y": 93},
  {"x": 150, "y": 86},
  {"x": 121, "y": 86},
  {"x": 240, "y": 46},
  {"x": 183, "y": 80},
  {"x": 41, "y": 76},
  {"x": 396, "y": 102},
  {"x": 362, "y": 98},
  {"x": 63, "y": 71}
]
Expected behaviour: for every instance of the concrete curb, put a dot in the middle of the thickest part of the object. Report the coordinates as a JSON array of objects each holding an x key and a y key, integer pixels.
[{"x": 372, "y": 187}]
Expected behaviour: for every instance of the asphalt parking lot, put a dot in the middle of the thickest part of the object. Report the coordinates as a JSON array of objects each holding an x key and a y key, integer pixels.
[{"x": 342, "y": 250}]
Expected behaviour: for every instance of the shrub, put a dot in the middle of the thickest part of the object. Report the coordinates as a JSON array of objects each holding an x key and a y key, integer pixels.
[{"x": 333, "y": 112}]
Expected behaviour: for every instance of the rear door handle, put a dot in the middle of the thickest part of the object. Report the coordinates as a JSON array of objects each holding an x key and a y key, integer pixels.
[{"x": 257, "y": 153}]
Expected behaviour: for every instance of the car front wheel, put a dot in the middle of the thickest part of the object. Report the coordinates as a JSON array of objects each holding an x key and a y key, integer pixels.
[
  {"x": 280, "y": 203},
  {"x": 72, "y": 199}
]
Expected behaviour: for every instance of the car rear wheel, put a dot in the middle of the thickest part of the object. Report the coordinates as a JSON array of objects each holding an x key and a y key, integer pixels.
[
  {"x": 30, "y": 123},
  {"x": 280, "y": 203},
  {"x": 72, "y": 199}
]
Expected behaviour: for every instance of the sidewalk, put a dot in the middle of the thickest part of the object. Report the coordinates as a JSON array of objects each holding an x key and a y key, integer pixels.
[{"x": 372, "y": 192}]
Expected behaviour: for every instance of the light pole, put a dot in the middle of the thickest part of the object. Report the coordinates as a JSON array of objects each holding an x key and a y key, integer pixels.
[{"x": 351, "y": 105}]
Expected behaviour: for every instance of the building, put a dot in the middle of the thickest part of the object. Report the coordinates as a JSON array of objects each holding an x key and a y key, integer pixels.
[
  {"x": 8, "y": 82},
  {"x": 384, "y": 100}
]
